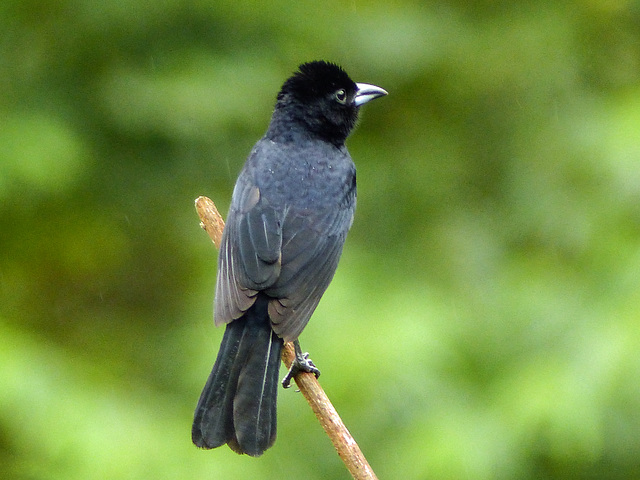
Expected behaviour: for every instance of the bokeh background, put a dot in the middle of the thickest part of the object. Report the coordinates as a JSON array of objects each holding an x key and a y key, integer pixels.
[{"x": 484, "y": 322}]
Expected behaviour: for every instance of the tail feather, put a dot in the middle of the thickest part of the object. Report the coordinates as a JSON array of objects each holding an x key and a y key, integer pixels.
[
  {"x": 238, "y": 403},
  {"x": 213, "y": 420}
]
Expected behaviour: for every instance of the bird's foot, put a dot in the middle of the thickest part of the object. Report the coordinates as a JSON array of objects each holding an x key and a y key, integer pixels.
[{"x": 301, "y": 363}]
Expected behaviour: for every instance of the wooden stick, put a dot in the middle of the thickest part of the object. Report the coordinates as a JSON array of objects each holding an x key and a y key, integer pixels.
[
  {"x": 210, "y": 219},
  {"x": 348, "y": 449}
]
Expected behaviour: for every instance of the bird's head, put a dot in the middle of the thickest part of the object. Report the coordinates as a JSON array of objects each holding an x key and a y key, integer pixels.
[{"x": 322, "y": 98}]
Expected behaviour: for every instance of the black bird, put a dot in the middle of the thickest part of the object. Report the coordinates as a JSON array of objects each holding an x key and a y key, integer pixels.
[{"x": 292, "y": 207}]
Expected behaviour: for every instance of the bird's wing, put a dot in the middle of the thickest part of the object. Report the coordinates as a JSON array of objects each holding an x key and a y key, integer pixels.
[
  {"x": 249, "y": 259},
  {"x": 311, "y": 247},
  {"x": 287, "y": 251},
  {"x": 290, "y": 255}
]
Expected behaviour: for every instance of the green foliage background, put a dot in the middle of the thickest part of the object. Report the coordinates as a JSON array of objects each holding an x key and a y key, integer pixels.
[{"x": 484, "y": 322}]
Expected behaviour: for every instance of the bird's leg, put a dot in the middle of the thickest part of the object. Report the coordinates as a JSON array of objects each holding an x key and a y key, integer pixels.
[{"x": 301, "y": 363}]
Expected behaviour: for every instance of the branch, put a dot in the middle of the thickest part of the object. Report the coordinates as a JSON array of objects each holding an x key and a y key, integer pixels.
[{"x": 348, "y": 450}]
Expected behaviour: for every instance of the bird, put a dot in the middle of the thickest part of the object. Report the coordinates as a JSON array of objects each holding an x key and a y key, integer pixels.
[{"x": 292, "y": 206}]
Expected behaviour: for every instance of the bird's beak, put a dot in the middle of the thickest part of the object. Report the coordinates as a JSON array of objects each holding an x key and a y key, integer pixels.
[{"x": 367, "y": 92}]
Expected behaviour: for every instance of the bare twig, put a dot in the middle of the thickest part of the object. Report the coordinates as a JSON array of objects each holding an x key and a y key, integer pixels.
[
  {"x": 210, "y": 219},
  {"x": 347, "y": 448}
]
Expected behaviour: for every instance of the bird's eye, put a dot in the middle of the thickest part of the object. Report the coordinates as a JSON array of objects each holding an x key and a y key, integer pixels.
[{"x": 341, "y": 96}]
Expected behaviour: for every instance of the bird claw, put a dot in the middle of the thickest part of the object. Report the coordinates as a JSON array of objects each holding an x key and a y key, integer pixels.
[{"x": 301, "y": 363}]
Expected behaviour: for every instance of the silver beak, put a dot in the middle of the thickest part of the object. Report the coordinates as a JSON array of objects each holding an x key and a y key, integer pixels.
[{"x": 367, "y": 92}]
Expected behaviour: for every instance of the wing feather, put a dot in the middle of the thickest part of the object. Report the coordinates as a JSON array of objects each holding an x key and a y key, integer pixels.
[
  {"x": 286, "y": 247},
  {"x": 308, "y": 265}
]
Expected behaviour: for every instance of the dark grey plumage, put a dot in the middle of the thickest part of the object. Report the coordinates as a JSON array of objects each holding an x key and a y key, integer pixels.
[{"x": 292, "y": 207}]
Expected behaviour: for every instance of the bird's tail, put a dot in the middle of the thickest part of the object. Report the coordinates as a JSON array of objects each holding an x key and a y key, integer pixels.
[{"x": 238, "y": 403}]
